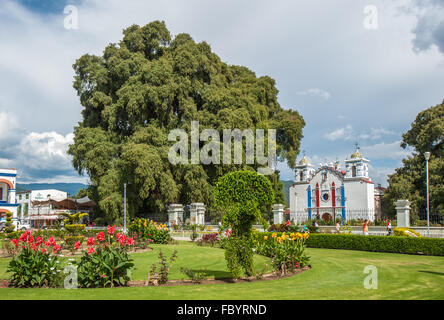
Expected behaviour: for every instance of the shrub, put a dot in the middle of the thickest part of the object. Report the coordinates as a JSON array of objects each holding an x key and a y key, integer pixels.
[
  {"x": 106, "y": 262},
  {"x": 75, "y": 229},
  {"x": 210, "y": 238},
  {"x": 394, "y": 244},
  {"x": 149, "y": 230},
  {"x": 70, "y": 241},
  {"x": 195, "y": 276},
  {"x": 34, "y": 262},
  {"x": 159, "y": 275},
  {"x": 405, "y": 232},
  {"x": 240, "y": 194},
  {"x": 9, "y": 226},
  {"x": 287, "y": 251}
]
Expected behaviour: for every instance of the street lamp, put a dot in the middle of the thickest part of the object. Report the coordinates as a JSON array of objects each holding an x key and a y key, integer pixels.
[
  {"x": 427, "y": 157},
  {"x": 124, "y": 208}
]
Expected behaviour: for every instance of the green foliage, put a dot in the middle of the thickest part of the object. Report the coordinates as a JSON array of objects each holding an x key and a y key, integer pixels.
[
  {"x": 287, "y": 251},
  {"x": 195, "y": 276},
  {"x": 241, "y": 194},
  {"x": 148, "y": 84},
  {"x": 159, "y": 272},
  {"x": 9, "y": 226},
  {"x": 426, "y": 246},
  {"x": 75, "y": 229},
  {"x": 75, "y": 218},
  {"x": 106, "y": 263},
  {"x": 409, "y": 182},
  {"x": 150, "y": 231},
  {"x": 33, "y": 263},
  {"x": 401, "y": 232}
]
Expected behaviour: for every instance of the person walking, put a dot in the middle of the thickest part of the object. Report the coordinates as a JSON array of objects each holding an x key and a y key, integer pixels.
[
  {"x": 338, "y": 227},
  {"x": 365, "y": 227},
  {"x": 389, "y": 227}
]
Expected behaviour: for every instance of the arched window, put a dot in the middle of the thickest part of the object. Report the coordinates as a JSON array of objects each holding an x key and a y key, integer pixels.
[{"x": 354, "y": 171}]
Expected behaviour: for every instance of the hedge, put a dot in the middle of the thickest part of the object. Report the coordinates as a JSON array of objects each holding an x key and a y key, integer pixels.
[{"x": 391, "y": 244}]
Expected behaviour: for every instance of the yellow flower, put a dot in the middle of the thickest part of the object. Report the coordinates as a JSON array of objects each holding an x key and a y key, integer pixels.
[
  {"x": 279, "y": 239},
  {"x": 274, "y": 235},
  {"x": 265, "y": 237},
  {"x": 306, "y": 236}
]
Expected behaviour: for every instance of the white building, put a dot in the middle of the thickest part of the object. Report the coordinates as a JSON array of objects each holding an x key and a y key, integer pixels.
[
  {"x": 7, "y": 193},
  {"x": 331, "y": 193},
  {"x": 25, "y": 200}
]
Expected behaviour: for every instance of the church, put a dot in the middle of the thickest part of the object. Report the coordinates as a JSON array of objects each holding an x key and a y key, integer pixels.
[{"x": 330, "y": 193}]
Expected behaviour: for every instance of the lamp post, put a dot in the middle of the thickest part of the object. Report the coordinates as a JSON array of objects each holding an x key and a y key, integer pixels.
[
  {"x": 427, "y": 157},
  {"x": 124, "y": 208}
]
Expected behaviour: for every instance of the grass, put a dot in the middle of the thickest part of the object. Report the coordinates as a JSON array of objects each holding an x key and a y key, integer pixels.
[{"x": 335, "y": 274}]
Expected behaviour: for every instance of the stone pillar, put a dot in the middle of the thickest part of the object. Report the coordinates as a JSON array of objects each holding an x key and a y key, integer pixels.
[
  {"x": 278, "y": 213},
  {"x": 175, "y": 213},
  {"x": 197, "y": 213},
  {"x": 403, "y": 213}
]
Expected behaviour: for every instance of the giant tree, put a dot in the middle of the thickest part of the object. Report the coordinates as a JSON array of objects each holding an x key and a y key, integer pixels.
[
  {"x": 149, "y": 84},
  {"x": 409, "y": 182}
]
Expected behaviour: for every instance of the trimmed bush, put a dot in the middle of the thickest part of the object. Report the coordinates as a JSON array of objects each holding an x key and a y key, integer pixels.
[{"x": 391, "y": 244}]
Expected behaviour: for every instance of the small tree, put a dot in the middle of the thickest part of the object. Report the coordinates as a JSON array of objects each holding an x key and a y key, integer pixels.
[
  {"x": 241, "y": 194},
  {"x": 9, "y": 227}
]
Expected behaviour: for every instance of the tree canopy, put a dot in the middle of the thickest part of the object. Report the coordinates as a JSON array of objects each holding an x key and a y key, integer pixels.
[
  {"x": 149, "y": 84},
  {"x": 409, "y": 182}
]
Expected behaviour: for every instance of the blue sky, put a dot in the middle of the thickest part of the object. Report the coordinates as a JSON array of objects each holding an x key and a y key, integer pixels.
[{"x": 350, "y": 83}]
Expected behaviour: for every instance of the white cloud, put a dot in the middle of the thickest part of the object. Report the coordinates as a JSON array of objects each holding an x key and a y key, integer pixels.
[
  {"x": 386, "y": 151},
  {"x": 349, "y": 134},
  {"x": 45, "y": 151},
  {"x": 345, "y": 133},
  {"x": 8, "y": 124},
  {"x": 315, "y": 92}
]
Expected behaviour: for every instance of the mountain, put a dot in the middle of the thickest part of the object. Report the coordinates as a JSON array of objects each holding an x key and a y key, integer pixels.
[
  {"x": 71, "y": 188},
  {"x": 287, "y": 184}
]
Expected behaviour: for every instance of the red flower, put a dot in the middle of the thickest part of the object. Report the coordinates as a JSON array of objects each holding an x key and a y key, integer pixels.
[
  {"x": 39, "y": 240},
  {"x": 57, "y": 248},
  {"x": 43, "y": 250},
  {"x": 111, "y": 230},
  {"x": 100, "y": 236},
  {"x": 34, "y": 247},
  {"x": 51, "y": 241},
  {"x": 287, "y": 223},
  {"x": 90, "y": 242},
  {"x": 118, "y": 236},
  {"x": 122, "y": 240},
  {"x": 91, "y": 250},
  {"x": 130, "y": 241},
  {"x": 30, "y": 239},
  {"x": 15, "y": 242},
  {"x": 77, "y": 245}
]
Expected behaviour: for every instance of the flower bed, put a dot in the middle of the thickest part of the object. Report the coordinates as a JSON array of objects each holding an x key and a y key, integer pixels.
[
  {"x": 286, "y": 250},
  {"x": 392, "y": 244},
  {"x": 150, "y": 231}
]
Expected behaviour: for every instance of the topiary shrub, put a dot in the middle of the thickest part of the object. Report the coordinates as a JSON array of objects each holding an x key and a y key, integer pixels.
[
  {"x": 9, "y": 226},
  {"x": 240, "y": 194}
]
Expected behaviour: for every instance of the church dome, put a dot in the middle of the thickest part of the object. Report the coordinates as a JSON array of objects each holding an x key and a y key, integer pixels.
[
  {"x": 356, "y": 155},
  {"x": 304, "y": 160}
]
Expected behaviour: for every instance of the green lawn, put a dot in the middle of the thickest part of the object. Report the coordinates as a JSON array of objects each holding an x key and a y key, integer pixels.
[{"x": 336, "y": 274}]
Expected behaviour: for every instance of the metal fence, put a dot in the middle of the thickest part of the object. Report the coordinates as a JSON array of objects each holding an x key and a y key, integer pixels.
[{"x": 436, "y": 218}]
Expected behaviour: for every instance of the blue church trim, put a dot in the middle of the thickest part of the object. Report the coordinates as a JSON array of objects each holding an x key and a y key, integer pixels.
[
  {"x": 343, "y": 202},
  {"x": 9, "y": 204},
  {"x": 309, "y": 202},
  {"x": 8, "y": 174}
]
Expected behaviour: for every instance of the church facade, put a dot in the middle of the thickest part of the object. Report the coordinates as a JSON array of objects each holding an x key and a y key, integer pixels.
[{"x": 330, "y": 193}]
